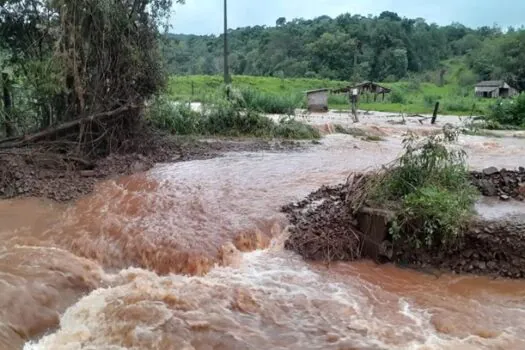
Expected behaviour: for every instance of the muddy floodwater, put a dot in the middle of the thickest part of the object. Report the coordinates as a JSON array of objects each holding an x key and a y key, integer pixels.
[{"x": 189, "y": 256}]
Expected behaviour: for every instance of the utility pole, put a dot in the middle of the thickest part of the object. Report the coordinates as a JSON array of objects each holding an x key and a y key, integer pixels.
[{"x": 226, "y": 66}]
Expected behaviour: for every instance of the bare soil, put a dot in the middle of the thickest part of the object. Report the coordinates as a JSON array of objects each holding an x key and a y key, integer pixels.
[
  {"x": 37, "y": 172},
  {"x": 324, "y": 229}
]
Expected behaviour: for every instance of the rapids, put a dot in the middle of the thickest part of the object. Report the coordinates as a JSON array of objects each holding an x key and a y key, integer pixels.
[{"x": 189, "y": 256}]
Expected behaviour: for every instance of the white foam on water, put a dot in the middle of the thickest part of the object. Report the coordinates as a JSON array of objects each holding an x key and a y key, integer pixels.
[{"x": 274, "y": 300}]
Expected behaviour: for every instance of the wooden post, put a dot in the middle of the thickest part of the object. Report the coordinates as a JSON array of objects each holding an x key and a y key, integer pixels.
[
  {"x": 192, "y": 89},
  {"x": 435, "y": 114},
  {"x": 227, "y": 79},
  {"x": 8, "y": 105}
]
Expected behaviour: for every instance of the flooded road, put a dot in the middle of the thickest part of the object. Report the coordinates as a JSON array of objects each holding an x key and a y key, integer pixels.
[{"x": 189, "y": 256}]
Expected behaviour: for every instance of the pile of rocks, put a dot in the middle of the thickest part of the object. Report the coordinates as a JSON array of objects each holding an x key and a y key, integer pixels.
[
  {"x": 487, "y": 248},
  {"x": 505, "y": 184}
]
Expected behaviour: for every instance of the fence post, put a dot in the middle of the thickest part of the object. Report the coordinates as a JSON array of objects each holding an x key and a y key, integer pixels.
[{"x": 434, "y": 116}]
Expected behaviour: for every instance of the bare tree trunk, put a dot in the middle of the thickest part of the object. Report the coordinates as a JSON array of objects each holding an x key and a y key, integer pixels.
[{"x": 8, "y": 106}]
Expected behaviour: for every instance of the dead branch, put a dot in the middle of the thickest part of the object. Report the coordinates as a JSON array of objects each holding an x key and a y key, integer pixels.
[{"x": 65, "y": 126}]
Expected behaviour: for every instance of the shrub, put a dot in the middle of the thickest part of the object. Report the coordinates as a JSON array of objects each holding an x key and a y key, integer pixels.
[
  {"x": 290, "y": 128},
  {"x": 508, "y": 113},
  {"x": 458, "y": 105},
  {"x": 220, "y": 116},
  {"x": 397, "y": 96},
  {"x": 429, "y": 188},
  {"x": 271, "y": 103},
  {"x": 174, "y": 117},
  {"x": 430, "y": 100},
  {"x": 338, "y": 100}
]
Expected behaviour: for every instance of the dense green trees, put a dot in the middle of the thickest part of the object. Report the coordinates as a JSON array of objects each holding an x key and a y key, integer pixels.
[
  {"x": 64, "y": 60},
  {"x": 350, "y": 47}
]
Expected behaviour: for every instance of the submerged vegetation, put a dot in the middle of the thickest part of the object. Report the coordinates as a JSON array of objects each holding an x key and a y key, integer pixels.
[{"x": 224, "y": 117}]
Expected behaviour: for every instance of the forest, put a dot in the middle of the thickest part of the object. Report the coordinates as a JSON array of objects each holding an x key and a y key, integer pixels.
[
  {"x": 349, "y": 47},
  {"x": 79, "y": 73}
]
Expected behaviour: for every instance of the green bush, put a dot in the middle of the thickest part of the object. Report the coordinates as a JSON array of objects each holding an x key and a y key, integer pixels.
[
  {"x": 174, "y": 117},
  {"x": 430, "y": 191},
  {"x": 223, "y": 117},
  {"x": 289, "y": 128},
  {"x": 508, "y": 113},
  {"x": 271, "y": 103},
  {"x": 430, "y": 100},
  {"x": 338, "y": 100},
  {"x": 458, "y": 105},
  {"x": 397, "y": 96}
]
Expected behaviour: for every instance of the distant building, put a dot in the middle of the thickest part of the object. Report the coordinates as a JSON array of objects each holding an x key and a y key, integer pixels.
[
  {"x": 365, "y": 87},
  {"x": 318, "y": 100},
  {"x": 495, "y": 89}
]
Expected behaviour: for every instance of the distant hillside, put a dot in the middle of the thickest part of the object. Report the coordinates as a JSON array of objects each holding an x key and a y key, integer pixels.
[{"x": 382, "y": 48}]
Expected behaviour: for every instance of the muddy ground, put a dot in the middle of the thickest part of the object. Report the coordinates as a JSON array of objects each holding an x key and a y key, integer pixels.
[
  {"x": 323, "y": 229},
  {"x": 34, "y": 173}
]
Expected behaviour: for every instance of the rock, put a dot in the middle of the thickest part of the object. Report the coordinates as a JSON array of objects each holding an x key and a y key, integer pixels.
[
  {"x": 521, "y": 169},
  {"x": 521, "y": 188},
  {"x": 490, "y": 171},
  {"x": 504, "y": 197},
  {"x": 488, "y": 188},
  {"x": 482, "y": 265},
  {"x": 492, "y": 265},
  {"x": 87, "y": 173},
  {"x": 468, "y": 253},
  {"x": 138, "y": 167}
]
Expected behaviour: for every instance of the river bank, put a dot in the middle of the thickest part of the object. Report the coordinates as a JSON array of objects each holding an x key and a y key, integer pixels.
[
  {"x": 144, "y": 261},
  {"x": 35, "y": 173},
  {"x": 324, "y": 229}
]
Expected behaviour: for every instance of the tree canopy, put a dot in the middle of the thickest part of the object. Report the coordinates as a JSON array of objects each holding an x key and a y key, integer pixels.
[
  {"x": 348, "y": 47},
  {"x": 65, "y": 60}
]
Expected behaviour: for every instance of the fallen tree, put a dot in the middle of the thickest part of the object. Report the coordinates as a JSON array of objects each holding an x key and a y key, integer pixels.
[{"x": 84, "y": 70}]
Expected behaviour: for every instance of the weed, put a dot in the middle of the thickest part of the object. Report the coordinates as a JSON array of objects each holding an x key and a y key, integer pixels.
[
  {"x": 507, "y": 114},
  {"x": 429, "y": 189},
  {"x": 271, "y": 103},
  {"x": 224, "y": 117}
]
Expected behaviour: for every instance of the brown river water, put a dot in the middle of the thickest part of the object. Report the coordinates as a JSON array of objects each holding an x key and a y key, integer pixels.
[{"x": 149, "y": 262}]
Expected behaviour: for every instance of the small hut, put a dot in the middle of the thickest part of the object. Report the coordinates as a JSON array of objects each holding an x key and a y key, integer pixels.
[
  {"x": 494, "y": 89},
  {"x": 366, "y": 87},
  {"x": 318, "y": 100}
]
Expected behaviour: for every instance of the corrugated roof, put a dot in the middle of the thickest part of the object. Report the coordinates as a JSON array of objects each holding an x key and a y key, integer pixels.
[
  {"x": 318, "y": 90},
  {"x": 486, "y": 88},
  {"x": 491, "y": 83}
]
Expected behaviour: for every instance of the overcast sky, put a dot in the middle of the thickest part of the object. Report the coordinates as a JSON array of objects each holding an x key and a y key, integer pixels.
[{"x": 205, "y": 16}]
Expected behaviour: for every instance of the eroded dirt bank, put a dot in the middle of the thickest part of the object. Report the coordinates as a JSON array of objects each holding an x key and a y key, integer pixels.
[
  {"x": 324, "y": 229},
  {"x": 35, "y": 173},
  {"x": 110, "y": 266}
]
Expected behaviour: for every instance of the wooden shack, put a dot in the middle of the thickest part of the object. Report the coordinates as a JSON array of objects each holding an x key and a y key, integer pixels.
[
  {"x": 494, "y": 89},
  {"x": 366, "y": 87},
  {"x": 318, "y": 100}
]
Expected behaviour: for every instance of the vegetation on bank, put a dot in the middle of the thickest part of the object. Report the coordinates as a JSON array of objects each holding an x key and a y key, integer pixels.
[
  {"x": 349, "y": 47},
  {"x": 283, "y": 96},
  {"x": 428, "y": 189},
  {"x": 224, "y": 117}
]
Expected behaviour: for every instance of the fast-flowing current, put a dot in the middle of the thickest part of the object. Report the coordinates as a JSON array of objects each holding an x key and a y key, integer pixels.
[{"x": 190, "y": 256}]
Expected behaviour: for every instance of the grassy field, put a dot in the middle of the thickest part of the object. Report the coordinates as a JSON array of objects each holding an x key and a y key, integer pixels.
[{"x": 410, "y": 96}]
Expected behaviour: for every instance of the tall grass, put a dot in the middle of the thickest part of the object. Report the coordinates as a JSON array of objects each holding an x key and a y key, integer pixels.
[
  {"x": 507, "y": 114},
  {"x": 281, "y": 96},
  {"x": 271, "y": 103},
  {"x": 222, "y": 117}
]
